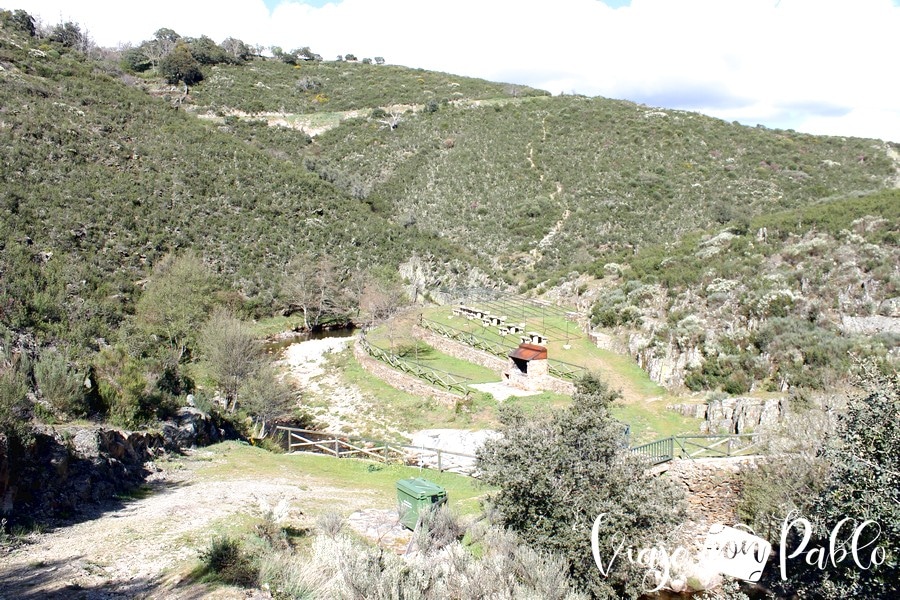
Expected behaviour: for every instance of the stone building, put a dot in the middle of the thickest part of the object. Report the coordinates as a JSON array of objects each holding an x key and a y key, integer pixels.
[{"x": 528, "y": 368}]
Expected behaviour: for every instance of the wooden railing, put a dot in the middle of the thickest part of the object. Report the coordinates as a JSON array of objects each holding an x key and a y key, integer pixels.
[
  {"x": 442, "y": 379},
  {"x": 557, "y": 368},
  {"x": 698, "y": 446},
  {"x": 305, "y": 440},
  {"x": 656, "y": 452}
]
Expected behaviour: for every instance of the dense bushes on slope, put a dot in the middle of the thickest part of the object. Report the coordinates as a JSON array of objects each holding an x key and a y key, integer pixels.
[
  {"x": 273, "y": 86},
  {"x": 551, "y": 183},
  {"x": 785, "y": 302}
]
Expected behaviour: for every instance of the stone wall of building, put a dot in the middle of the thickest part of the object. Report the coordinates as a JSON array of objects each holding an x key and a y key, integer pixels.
[{"x": 712, "y": 488}]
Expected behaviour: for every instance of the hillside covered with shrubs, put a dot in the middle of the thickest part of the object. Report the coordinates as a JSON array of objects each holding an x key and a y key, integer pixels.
[{"x": 167, "y": 206}]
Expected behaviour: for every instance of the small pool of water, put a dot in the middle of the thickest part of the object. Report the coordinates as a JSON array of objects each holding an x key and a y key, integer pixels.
[{"x": 278, "y": 345}]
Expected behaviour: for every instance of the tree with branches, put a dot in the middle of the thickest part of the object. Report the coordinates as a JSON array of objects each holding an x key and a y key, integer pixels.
[
  {"x": 231, "y": 353},
  {"x": 557, "y": 474}
]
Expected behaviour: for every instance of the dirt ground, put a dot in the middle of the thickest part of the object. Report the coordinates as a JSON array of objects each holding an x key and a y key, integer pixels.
[{"x": 147, "y": 547}]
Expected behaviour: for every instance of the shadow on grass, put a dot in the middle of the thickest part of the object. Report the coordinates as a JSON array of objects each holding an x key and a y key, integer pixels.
[{"x": 59, "y": 580}]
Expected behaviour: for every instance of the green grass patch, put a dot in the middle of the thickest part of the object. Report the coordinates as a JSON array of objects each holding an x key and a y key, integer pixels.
[
  {"x": 540, "y": 403},
  {"x": 402, "y": 343},
  {"x": 353, "y": 477},
  {"x": 274, "y": 325},
  {"x": 399, "y": 410},
  {"x": 650, "y": 421}
]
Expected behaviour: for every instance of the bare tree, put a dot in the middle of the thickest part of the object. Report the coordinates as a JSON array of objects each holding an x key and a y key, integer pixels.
[
  {"x": 161, "y": 45},
  {"x": 317, "y": 288},
  {"x": 380, "y": 300},
  {"x": 231, "y": 353},
  {"x": 392, "y": 120},
  {"x": 267, "y": 396}
]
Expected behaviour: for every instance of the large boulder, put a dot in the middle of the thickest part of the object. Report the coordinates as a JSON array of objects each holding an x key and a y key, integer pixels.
[{"x": 191, "y": 427}]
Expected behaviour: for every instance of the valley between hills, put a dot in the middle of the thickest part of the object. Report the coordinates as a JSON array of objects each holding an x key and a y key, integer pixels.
[{"x": 200, "y": 244}]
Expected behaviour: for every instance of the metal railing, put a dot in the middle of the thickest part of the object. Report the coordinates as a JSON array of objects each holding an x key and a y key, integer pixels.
[{"x": 698, "y": 446}]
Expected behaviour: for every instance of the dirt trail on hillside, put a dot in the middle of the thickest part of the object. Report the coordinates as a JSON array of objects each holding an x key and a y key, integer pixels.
[{"x": 144, "y": 548}]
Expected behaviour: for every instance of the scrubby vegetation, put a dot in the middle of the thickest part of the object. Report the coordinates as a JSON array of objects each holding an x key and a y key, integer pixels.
[
  {"x": 783, "y": 302},
  {"x": 543, "y": 186},
  {"x": 139, "y": 242},
  {"x": 837, "y": 489},
  {"x": 558, "y": 474},
  {"x": 314, "y": 86},
  {"x": 487, "y": 562}
]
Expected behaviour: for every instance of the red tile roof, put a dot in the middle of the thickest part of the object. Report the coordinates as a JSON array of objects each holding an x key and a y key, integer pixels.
[{"x": 529, "y": 352}]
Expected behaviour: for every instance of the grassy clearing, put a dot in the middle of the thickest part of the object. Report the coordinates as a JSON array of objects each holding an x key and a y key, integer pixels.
[
  {"x": 620, "y": 371},
  {"x": 276, "y": 324},
  {"x": 415, "y": 351},
  {"x": 650, "y": 421},
  {"x": 389, "y": 410},
  {"x": 234, "y": 460}
]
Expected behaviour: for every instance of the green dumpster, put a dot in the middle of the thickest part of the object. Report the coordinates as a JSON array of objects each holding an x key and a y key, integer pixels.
[{"x": 416, "y": 495}]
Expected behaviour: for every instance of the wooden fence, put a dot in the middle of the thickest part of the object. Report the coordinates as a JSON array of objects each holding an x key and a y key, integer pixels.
[
  {"x": 436, "y": 377},
  {"x": 557, "y": 368},
  {"x": 657, "y": 452},
  {"x": 698, "y": 446},
  {"x": 305, "y": 440}
]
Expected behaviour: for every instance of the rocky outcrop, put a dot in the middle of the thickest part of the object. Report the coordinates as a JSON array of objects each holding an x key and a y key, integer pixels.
[
  {"x": 68, "y": 468},
  {"x": 734, "y": 415},
  {"x": 872, "y": 325},
  {"x": 193, "y": 427},
  {"x": 665, "y": 364}
]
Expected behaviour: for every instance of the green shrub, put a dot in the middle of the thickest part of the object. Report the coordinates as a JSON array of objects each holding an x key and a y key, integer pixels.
[
  {"x": 557, "y": 474},
  {"x": 14, "y": 406},
  {"x": 227, "y": 560},
  {"x": 180, "y": 65},
  {"x": 123, "y": 387},
  {"x": 60, "y": 385}
]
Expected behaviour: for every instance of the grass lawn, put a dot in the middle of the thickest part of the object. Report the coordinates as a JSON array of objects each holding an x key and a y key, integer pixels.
[
  {"x": 277, "y": 324},
  {"x": 386, "y": 405},
  {"x": 621, "y": 371},
  {"x": 650, "y": 421},
  {"x": 235, "y": 460},
  {"x": 397, "y": 336}
]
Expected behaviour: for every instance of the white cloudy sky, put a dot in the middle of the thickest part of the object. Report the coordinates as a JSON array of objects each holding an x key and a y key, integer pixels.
[{"x": 820, "y": 66}]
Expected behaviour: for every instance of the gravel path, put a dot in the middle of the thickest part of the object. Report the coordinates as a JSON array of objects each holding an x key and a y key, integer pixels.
[{"x": 146, "y": 548}]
